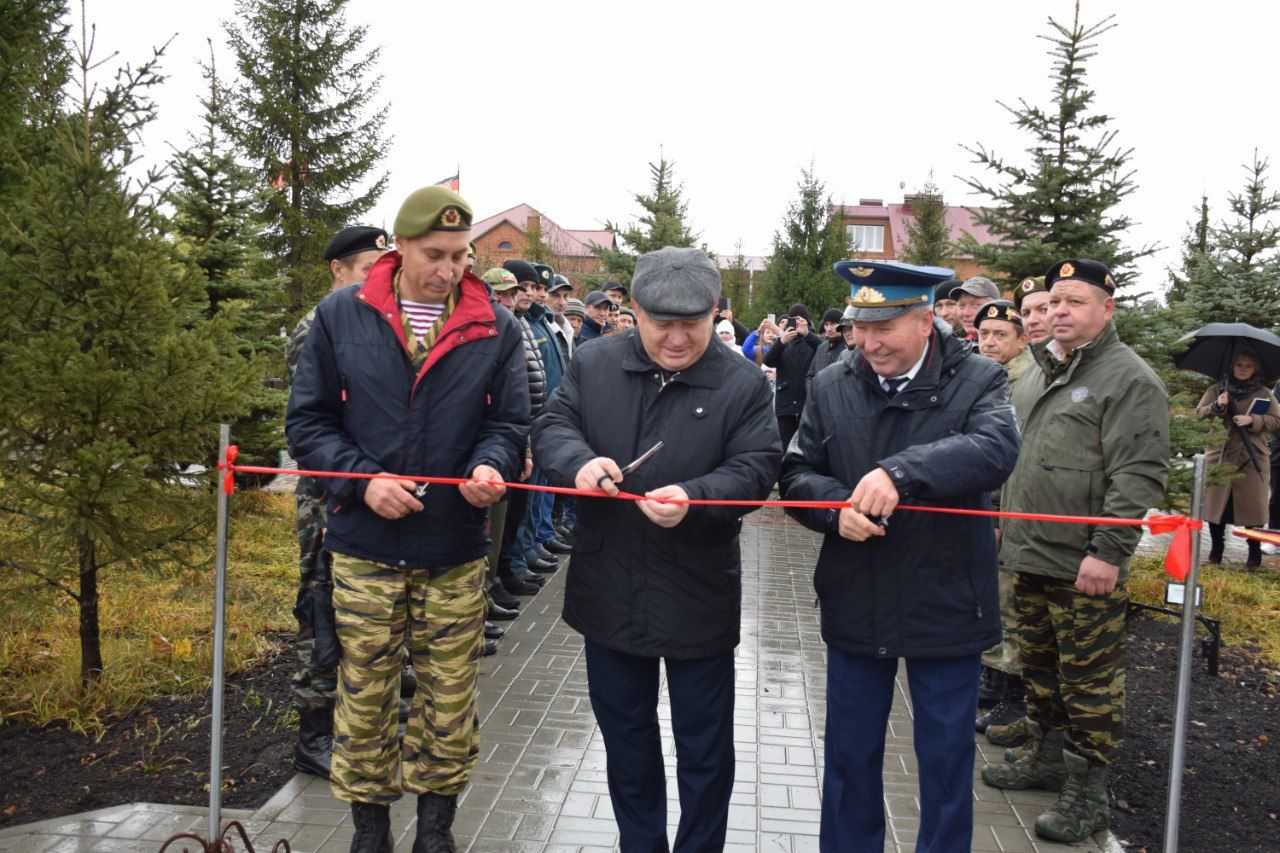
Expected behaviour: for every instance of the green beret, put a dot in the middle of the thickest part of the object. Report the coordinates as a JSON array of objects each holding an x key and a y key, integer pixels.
[
  {"x": 432, "y": 209},
  {"x": 1028, "y": 285}
]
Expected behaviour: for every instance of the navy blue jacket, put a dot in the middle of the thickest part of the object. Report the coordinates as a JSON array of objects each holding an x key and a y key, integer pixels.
[
  {"x": 360, "y": 404},
  {"x": 553, "y": 361},
  {"x": 928, "y": 587}
]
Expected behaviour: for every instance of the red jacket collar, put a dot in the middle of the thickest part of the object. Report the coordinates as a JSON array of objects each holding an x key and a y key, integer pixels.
[{"x": 473, "y": 307}]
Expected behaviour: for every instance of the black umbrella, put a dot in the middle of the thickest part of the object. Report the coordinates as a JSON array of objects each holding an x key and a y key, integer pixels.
[{"x": 1214, "y": 349}]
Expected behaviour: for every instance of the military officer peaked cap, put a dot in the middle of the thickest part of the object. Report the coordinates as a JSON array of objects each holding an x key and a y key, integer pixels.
[
  {"x": 432, "y": 209},
  {"x": 881, "y": 290},
  {"x": 354, "y": 240},
  {"x": 1026, "y": 287},
  {"x": 1090, "y": 272},
  {"x": 1001, "y": 309}
]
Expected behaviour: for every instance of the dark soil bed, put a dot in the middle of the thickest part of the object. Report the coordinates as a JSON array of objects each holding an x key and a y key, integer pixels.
[
  {"x": 1231, "y": 786},
  {"x": 158, "y": 752}
]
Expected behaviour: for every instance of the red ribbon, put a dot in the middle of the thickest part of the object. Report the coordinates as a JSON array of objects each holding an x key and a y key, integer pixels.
[{"x": 1177, "y": 561}]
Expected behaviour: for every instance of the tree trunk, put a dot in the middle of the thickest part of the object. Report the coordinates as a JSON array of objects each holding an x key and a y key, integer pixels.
[{"x": 90, "y": 639}]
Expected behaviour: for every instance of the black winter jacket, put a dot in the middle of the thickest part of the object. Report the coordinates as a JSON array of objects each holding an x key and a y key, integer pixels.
[
  {"x": 359, "y": 404},
  {"x": 827, "y": 354},
  {"x": 928, "y": 587},
  {"x": 633, "y": 586},
  {"x": 536, "y": 372},
  {"x": 792, "y": 362}
]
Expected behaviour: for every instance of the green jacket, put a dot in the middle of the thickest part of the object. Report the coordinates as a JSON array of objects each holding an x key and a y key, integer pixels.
[{"x": 1095, "y": 441}]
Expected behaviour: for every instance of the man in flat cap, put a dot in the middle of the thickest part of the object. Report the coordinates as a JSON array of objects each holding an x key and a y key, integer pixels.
[
  {"x": 1032, "y": 301},
  {"x": 667, "y": 586},
  {"x": 350, "y": 254},
  {"x": 1095, "y": 425},
  {"x": 913, "y": 416},
  {"x": 971, "y": 296},
  {"x": 414, "y": 372}
]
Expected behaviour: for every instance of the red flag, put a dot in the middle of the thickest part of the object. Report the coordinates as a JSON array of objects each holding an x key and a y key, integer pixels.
[
  {"x": 449, "y": 183},
  {"x": 1178, "y": 561}
]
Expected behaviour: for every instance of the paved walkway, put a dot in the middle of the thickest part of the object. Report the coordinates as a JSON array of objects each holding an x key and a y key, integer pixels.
[{"x": 540, "y": 782}]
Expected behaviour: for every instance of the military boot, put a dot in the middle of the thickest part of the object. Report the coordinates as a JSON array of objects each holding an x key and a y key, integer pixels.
[
  {"x": 1011, "y": 707},
  {"x": 435, "y": 820},
  {"x": 1041, "y": 767},
  {"x": 1015, "y": 733},
  {"x": 373, "y": 828},
  {"x": 990, "y": 687},
  {"x": 1081, "y": 809},
  {"x": 314, "y": 751},
  {"x": 498, "y": 595}
]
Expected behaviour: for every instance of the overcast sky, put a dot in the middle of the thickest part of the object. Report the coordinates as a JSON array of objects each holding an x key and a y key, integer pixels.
[{"x": 562, "y": 105}]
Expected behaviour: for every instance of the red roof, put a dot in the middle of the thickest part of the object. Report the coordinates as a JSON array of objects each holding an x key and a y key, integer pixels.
[
  {"x": 566, "y": 243},
  {"x": 959, "y": 220}
]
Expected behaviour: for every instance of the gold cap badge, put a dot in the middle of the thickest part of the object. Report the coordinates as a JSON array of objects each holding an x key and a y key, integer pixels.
[
  {"x": 993, "y": 311},
  {"x": 867, "y": 295},
  {"x": 450, "y": 218},
  {"x": 381, "y": 242},
  {"x": 861, "y": 272},
  {"x": 1067, "y": 270},
  {"x": 1111, "y": 282},
  {"x": 1028, "y": 284}
]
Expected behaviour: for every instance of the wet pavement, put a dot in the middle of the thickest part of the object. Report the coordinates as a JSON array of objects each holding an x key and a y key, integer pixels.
[{"x": 540, "y": 782}]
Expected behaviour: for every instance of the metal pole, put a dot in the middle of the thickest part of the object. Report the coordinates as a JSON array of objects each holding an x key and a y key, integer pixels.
[
  {"x": 1185, "y": 651},
  {"x": 219, "y": 630}
]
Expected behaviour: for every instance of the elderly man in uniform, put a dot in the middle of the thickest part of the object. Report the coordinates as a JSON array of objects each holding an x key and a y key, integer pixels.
[
  {"x": 971, "y": 296},
  {"x": 1032, "y": 301},
  {"x": 1001, "y": 339},
  {"x": 913, "y": 416},
  {"x": 1095, "y": 426},
  {"x": 416, "y": 373},
  {"x": 350, "y": 254},
  {"x": 667, "y": 586}
]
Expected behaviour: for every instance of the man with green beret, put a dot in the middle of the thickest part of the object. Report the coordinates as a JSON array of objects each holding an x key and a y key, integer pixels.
[
  {"x": 412, "y": 373},
  {"x": 1095, "y": 442},
  {"x": 1032, "y": 301}
]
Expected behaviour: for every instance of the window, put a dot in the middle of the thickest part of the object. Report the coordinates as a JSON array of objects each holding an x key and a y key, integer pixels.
[
  {"x": 504, "y": 246},
  {"x": 866, "y": 238}
]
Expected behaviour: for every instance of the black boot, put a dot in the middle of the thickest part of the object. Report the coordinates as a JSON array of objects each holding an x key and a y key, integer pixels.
[
  {"x": 1255, "y": 555},
  {"x": 990, "y": 687},
  {"x": 519, "y": 586},
  {"x": 498, "y": 595},
  {"x": 313, "y": 753},
  {"x": 435, "y": 819},
  {"x": 1011, "y": 707},
  {"x": 373, "y": 828},
  {"x": 493, "y": 632},
  {"x": 500, "y": 613},
  {"x": 490, "y": 648},
  {"x": 1218, "y": 535}
]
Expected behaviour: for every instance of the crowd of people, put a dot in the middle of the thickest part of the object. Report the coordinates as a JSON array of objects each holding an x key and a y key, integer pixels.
[{"x": 922, "y": 389}]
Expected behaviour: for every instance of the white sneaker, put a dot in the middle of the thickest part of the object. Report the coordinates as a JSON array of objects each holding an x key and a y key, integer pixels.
[{"x": 1268, "y": 548}]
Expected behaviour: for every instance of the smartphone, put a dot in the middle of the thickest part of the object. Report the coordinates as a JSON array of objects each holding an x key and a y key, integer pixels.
[{"x": 772, "y": 318}]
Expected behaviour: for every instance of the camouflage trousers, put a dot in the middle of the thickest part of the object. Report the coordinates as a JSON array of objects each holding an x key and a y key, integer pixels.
[
  {"x": 441, "y": 615},
  {"x": 1072, "y": 648},
  {"x": 1004, "y": 655},
  {"x": 312, "y": 690}
]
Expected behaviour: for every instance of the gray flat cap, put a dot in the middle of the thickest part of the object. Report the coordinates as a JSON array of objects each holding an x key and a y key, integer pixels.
[
  {"x": 979, "y": 286},
  {"x": 675, "y": 284}
]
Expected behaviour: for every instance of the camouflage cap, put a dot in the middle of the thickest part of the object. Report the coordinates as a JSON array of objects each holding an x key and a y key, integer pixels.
[
  {"x": 499, "y": 279},
  {"x": 432, "y": 209}
]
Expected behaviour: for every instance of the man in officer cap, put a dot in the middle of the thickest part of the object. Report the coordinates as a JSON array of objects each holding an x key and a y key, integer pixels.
[
  {"x": 350, "y": 254},
  {"x": 913, "y": 416},
  {"x": 1001, "y": 339},
  {"x": 411, "y": 373},
  {"x": 971, "y": 296},
  {"x": 1095, "y": 426},
  {"x": 1032, "y": 301},
  {"x": 667, "y": 585}
]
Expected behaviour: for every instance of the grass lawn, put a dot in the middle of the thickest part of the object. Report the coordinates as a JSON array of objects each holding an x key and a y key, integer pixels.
[
  {"x": 157, "y": 624},
  {"x": 1247, "y": 603}
]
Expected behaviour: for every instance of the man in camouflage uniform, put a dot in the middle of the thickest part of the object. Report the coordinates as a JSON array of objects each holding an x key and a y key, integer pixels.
[
  {"x": 350, "y": 255},
  {"x": 1095, "y": 427},
  {"x": 412, "y": 373}
]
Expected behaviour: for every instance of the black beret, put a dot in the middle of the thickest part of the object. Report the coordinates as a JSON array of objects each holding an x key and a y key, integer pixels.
[
  {"x": 1090, "y": 272},
  {"x": 1001, "y": 309},
  {"x": 546, "y": 275},
  {"x": 522, "y": 270},
  {"x": 943, "y": 291},
  {"x": 354, "y": 240}
]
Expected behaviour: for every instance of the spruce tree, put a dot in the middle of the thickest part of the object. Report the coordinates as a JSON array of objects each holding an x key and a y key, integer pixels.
[
  {"x": 1238, "y": 278},
  {"x": 928, "y": 238},
  {"x": 1060, "y": 200},
  {"x": 306, "y": 118},
  {"x": 112, "y": 374},
  {"x": 33, "y": 69},
  {"x": 736, "y": 285},
  {"x": 664, "y": 222},
  {"x": 1194, "y": 247},
  {"x": 214, "y": 200},
  {"x": 805, "y": 251}
]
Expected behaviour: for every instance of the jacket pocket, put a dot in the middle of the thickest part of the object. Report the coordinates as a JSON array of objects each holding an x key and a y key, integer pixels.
[{"x": 1075, "y": 491}]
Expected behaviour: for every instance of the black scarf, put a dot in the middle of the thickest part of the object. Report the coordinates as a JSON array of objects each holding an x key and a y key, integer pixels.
[{"x": 1237, "y": 390}]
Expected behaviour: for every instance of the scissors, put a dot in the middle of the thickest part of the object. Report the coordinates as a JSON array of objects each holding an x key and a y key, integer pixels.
[{"x": 631, "y": 466}]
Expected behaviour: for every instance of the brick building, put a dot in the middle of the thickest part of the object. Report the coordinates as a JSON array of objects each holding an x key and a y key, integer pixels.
[
  {"x": 504, "y": 236},
  {"x": 877, "y": 231}
]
